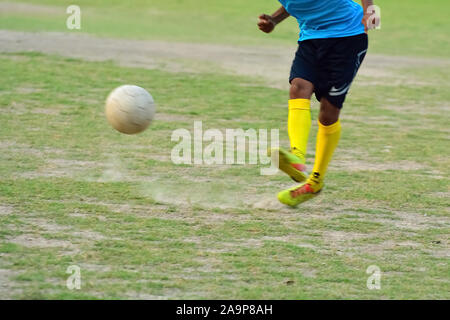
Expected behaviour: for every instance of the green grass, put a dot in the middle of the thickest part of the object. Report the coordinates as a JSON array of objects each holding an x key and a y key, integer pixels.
[
  {"x": 414, "y": 27},
  {"x": 75, "y": 192}
]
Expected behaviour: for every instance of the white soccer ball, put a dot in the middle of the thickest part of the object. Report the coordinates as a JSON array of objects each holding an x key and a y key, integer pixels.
[{"x": 130, "y": 109}]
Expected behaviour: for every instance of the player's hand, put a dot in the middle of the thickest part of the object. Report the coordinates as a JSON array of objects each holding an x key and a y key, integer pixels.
[
  {"x": 266, "y": 23},
  {"x": 371, "y": 20}
]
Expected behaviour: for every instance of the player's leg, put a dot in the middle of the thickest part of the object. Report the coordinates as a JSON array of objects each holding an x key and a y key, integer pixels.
[
  {"x": 299, "y": 118},
  {"x": 342, "y": 63},
  {"x": 299, "y": 124},
  {"x": 328, "y": 136}
]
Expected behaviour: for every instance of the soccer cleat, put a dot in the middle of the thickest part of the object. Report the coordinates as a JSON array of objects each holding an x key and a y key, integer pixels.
[
  {"x": 299, "y": 194},
  {"x": 290, "y": 164}
]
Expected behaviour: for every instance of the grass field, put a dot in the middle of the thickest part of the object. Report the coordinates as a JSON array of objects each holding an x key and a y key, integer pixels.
[{"x": 75, "y": 192}]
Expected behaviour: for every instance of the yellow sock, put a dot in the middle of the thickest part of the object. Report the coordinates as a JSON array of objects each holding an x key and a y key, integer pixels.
[
  {"x": 299, "y": 124},
  {"x": 327, "y": 141}
]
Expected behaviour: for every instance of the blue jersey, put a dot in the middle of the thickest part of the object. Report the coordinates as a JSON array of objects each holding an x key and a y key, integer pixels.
[{"x": 320, "y": 19}]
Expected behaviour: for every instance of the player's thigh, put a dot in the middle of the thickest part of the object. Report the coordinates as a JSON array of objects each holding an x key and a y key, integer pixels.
[
  {"x": 303, "y": 71},
  {"x": 339, "y": 66}
]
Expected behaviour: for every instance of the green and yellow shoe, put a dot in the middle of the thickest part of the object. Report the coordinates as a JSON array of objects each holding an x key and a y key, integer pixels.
[
  {"x": 299, "y": 194},
  {"x": 290, "y": 164}
]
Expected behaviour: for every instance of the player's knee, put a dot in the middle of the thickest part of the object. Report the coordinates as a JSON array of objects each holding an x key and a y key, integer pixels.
[
  {"x": 329, "y": 113},
  {"x": 301, "y": 89}
]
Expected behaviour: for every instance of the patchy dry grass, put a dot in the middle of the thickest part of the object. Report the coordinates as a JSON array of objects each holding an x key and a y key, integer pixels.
[{"x": 74, "y": 192}]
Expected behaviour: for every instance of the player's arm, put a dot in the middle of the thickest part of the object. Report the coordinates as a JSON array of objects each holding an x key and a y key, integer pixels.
[
  {"x": 369, "y": 14},
  {"x": 267, "y": 23}
]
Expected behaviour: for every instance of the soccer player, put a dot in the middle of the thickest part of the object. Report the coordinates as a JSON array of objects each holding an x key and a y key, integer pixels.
[{"x": 333, "y": 43}]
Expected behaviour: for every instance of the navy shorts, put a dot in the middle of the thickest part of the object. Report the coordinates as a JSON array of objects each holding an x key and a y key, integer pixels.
[{"x": 330, "y": 64}]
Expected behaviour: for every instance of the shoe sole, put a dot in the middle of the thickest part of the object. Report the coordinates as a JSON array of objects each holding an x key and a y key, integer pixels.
[{"x": 286, "y": 167}]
